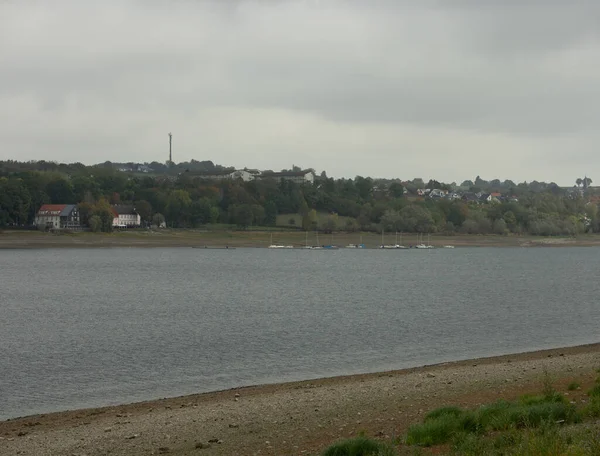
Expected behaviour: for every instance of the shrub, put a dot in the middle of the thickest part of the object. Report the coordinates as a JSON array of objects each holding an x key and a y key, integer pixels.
[
  {"x": 452, "y": 411},
  {"x": 573, "y": 386},
  {"x": 359, "y": 446},
  {"x": 433, "y": 432},
  {"x": 595, "y": 391},
  {"x": 529, "y": 399},
  {"x": 440, "y": 426},
  {"x": 593, "y": 408}
]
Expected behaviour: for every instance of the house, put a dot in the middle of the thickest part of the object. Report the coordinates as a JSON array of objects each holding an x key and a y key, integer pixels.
[
  {"x": 58, "y": 217},
  {"x": 216, "y": 175},
  {"x": 470, "y": 197},
  {"x": 437, "y": 193},
  {"x": 243, "y": 174},
  {"x": 299, "y": 177},
  {"x": 488, "y": 198},
  {"x": 125, "y": 216}
]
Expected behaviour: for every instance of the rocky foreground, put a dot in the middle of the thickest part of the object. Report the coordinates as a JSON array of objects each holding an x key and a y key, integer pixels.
[{"x": 300, "y": 418}]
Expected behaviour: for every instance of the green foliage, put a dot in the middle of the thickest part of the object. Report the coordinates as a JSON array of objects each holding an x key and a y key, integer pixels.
[
  {"x": 595, "y": 391},
  {"x": 450, "y": 411},
  {"x": 189, "y": 200},
  {"x": 546, "y": 440},
  {"x": 359, "y": 446},
  {"x": 95, "y": 223},
  {"x": 440, "y": 429},
  {"x": 445, "y": 424},
  {"x": 593, "y": 407}
]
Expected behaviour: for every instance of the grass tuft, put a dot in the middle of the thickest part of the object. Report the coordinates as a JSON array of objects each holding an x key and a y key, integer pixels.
[
  {"x": 573, "y": 386},
  {"x": 359, "y": 446},
  {"x": 595, "y": 391},
  {"x": 451, "y": 423},
  {"x": 451, "y": 411}
]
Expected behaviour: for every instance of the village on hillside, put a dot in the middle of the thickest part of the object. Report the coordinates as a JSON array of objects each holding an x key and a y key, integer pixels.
[{"x": 51, "y": 196}]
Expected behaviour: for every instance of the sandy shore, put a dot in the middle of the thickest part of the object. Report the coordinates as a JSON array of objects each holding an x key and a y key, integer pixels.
[{"x": 300, "y": 418}]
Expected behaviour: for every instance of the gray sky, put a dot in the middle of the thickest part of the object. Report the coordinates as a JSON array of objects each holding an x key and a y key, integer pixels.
[{"x": 435, "y": 89}]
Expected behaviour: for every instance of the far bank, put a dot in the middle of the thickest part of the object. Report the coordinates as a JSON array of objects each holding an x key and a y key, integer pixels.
[{"x": 263, "y": 239}]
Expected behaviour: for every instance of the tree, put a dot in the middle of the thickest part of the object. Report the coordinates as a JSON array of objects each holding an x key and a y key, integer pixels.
[
  {"x": 104, "y": 212},
  {"x": 95, "y": 223},
  {"x": 579, "y": 181},
  {"x": 396, "y": 190},
  {"x": 242, "y": 215},
  {"x": 499, "y": 226},
  {"x": 60, "y": 191},
  {"x": 177, "y": 207},
  {"x": 158, "y": 220},
  {"x": 144, "y": 208},
  {"x": 331, "y": 223},
  {"x": 416, "y": 219},
  {"x": 270, "y": 213},
  {"x": 391, "y": 220}
]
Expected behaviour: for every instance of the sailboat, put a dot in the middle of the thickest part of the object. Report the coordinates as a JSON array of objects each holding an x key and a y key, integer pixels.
[
  {"x": 420, "y": 245},
  {"x": 386, "y": 246},
  {"x": 279, "y": 246},
  {"x": 399, "y": 246},
  {"x": 356, "y": 246},
  {"x": 306, "y": 246}
]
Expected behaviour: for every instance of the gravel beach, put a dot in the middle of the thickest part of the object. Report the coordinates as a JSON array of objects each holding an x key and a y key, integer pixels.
[{"x": 300, "y": 418}]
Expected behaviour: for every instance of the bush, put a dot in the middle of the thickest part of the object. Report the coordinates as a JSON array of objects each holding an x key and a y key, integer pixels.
[
  {"x": 573, "y": 386},
  {"x": 441, "y": 425},
  {"x": 593, "y": 408},
  {"x": 452, "y": 411},
  {"x": 447, "y": 423},
  {"x": 595, "y": 391},
  {"x": 359, "y": 446}
]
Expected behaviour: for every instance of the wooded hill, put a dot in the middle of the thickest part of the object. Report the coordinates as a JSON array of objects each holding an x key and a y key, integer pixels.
[{"x": 179, "y": 194}]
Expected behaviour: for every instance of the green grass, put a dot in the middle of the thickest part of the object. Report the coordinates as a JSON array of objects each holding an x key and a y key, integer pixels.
[
  {"x": 359, "y": 446},
  {"x": 545, "y": 424},
  {"x": 573, "y": 386},
  {"x": 595, "y": 391},
  {"x": 548, "y": 439},
  {"x": 443, "y": 424}
]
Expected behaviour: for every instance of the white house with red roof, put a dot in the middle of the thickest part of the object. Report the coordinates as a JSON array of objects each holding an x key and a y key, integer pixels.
[
  {"x": 58, "y": 217},
  {"x": 125, "y": 216}
]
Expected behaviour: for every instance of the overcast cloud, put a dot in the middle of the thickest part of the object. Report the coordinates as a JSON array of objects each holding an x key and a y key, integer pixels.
[{"x": 444, "y": 89}]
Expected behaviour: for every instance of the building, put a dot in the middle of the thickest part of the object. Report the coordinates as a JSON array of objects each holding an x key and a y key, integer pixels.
[
  {"x": 246, "y": 175},
  {"x": 215, "y": 175},
  {"x": 58, "y": 217},
  {"x": 125, "y": 216},
  {"x": 299, "y": 177}
]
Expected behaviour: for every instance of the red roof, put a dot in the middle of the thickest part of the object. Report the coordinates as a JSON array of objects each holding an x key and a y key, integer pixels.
[{"x": 51, "y": 209}]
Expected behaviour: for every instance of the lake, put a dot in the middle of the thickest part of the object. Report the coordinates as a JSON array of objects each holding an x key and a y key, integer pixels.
[{"x": 92, "y": 327}]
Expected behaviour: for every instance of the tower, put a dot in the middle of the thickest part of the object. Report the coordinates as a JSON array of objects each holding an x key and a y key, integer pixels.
[{"x": 170, "y": 150}]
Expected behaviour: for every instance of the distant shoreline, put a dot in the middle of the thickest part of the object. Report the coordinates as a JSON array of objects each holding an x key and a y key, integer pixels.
[{"x": 262, "y": 239}]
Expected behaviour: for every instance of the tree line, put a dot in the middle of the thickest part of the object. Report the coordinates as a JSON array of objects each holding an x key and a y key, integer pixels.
[{"x": 184, "y": 199}]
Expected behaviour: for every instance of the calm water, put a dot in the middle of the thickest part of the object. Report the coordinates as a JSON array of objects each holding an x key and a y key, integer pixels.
[{"x": 83, "y": 328}]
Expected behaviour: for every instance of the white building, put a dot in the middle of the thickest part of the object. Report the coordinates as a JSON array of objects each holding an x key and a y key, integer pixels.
[
  {"x": 58, "y": 216},
  {"x": 125, "y": 216},
  {"x": 299, "y": 177},
  {"x": 246, "y": 175}
]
